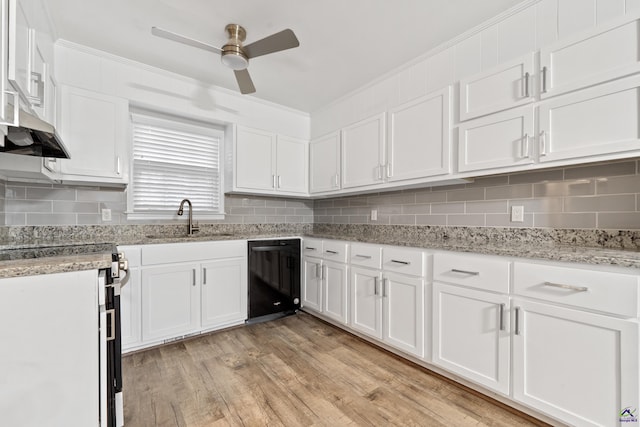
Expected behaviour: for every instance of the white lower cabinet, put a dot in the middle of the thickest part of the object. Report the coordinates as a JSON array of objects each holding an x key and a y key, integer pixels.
[
  {"x": 336, "y": 290},
  {"x": 577, "y": 366},
  {"x": 403, "y": 312},
  {"x": 180, "y": 289},
  {"x": 366, "y": 301},
  {"x": 312, "y": 284},
  {"x": 471, "y": 334},
  {"x": 169, "y": 301}
]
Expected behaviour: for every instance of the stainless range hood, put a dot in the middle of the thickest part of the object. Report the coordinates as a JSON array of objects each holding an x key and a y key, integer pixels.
[{"x": 34, "y": 137}]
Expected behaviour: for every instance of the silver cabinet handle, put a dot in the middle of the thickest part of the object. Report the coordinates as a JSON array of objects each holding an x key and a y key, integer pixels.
[
  {"x": 543, "y": 143},
  {"x": 317, "y": 268},
  {"x": 569, "y": 287},
  {"x": 502, "y": 317},
  {"x": 204, "y": 276},
  {"x": 118, "y": 168},
  {"x": 544, "y": 80},
  {"x": 471, "y": 273},
  {"x": 397, "y": 261},
  {"x": 279, "y": 181},
  {"x": 273, "y": 181},
  {"x": 16, "y": 109},
  {"x": 323, "y": 270},
  {"x": 37, "y": 100},
  {"x": 517, "y": 331},
  {"x": 388, "y": 170},
  {"x": 379, "y": 172},
  {"x": 363, "y": 256},
  {"x": 375, "y": 285},
  {"x": 384, "y": 286},
  {"x": 193, "y": 274},
  {"x": 525, "y": 146},
  {"x": 330, "y": 252},
  {"x": 336, "y": 178},
  {"x": 526, "y": 85}
]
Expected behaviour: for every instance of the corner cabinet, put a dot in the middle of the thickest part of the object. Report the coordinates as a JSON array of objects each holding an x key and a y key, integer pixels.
[
  {"x": 324, "y": 164},
  {"x": 94, "y": 127},
  {"x": 267, "y": 163},
  {"x": 419, "y": 138}
]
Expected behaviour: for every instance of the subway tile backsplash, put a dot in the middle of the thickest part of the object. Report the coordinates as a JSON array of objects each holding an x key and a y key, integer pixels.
[
  {"x": 602, "y": 195},
  {"x": 595, "y": 196}
]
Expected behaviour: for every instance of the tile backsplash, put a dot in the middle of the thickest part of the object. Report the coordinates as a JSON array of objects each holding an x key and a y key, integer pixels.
[
  {"x": 596, "y": 196},
  {"x": 602, "y": 196},
  {"x": 53, "y": 204}
]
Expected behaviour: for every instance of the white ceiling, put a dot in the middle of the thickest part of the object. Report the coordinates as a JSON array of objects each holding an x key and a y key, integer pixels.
[{"x": 343, "y": 43}]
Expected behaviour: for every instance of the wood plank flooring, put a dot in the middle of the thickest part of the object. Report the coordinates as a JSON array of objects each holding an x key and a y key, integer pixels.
[{"x": 295, "y": 371}]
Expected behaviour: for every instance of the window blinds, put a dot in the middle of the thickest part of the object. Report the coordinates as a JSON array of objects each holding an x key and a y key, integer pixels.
[{"x": 173, "y": 161}]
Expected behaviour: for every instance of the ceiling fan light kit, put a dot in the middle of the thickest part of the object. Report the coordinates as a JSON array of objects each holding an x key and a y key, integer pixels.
[{"x": 233, "y": 54}]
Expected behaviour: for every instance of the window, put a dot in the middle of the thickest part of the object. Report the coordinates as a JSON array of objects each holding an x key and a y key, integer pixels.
[{"x": 174, "y": 160}]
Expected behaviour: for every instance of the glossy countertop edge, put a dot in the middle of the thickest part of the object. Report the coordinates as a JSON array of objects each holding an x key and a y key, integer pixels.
[{"x": 528, "y": 251}]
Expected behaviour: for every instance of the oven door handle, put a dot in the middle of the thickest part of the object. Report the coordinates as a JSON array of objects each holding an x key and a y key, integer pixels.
[{"x": 267, "y": 248}]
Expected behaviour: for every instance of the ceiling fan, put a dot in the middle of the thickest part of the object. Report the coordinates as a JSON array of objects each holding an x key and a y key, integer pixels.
[{"x": 234, "y": 54}]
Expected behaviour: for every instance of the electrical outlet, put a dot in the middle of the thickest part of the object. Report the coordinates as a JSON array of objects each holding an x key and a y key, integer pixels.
[
  {"x": 374, "y": 214},
  {"x": 106, "y": 214},
  {"x": 517, "y": 213}
]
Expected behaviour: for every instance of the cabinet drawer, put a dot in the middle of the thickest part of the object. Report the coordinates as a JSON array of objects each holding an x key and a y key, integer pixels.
[
  {"x": 406, "y": 261},
  {"x": 475, "y": 271},
  {"x": 335, "y": 251},
  {"x": 366, "y": 255},
  {"x": 188, "y": 252},
  {"x": 591, "y": 289},
  {"x": 312, "y": 247}
]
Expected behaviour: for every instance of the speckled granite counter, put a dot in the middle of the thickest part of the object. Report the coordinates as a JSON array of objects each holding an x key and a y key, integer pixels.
[{"x": 596, "y": 247}]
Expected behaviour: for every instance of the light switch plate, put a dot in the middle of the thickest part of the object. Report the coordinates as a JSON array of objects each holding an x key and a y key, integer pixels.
[
  {"x": 517, "y": 213},
  {"x": 374, "y": 214}
]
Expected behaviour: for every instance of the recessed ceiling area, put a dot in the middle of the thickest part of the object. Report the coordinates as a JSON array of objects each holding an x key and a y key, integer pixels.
[{"x": 343, "y": 44}]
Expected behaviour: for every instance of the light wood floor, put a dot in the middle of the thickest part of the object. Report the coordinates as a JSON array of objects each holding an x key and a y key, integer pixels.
[{"x": 296, "y": 371}]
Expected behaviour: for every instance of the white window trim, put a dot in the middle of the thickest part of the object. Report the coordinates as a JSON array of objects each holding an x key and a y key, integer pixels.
[{"x": 178, "y": 123}]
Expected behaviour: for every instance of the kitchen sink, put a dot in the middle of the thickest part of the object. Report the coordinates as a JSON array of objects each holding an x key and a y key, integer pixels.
[{"x": 186, "y": 236}]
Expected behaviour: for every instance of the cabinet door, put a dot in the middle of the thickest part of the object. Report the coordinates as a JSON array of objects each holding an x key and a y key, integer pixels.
[
  {"x": 366, "y": 301},
  {"x": 471, "y": 335},
  {"x": 7, "y": 97},
  {"x": 224, "y": 292},
  {"x": 312, "y": 284},
  {"x": 500, "y": 140},
  {"x": 291, "y": 162},
  {"x": 20, "y": 41},
  {"x": 38, "y": 80},
  {"x": 404, "y": 312},
  {"x": 579, "y": 367},
  {"x": 336, "y": 291},
  {"x": 505, "y": 86},
  {"x": 606, "y": 53},
  {"x": 170, "y": 301},
  {"x": 93, "y": 127},
  {"x": 419, "y": 137},
  {"x": 324, "y": 161},
  {"x": 255, "y": 159},
  {"x": 600, "y": 120},
  {"x": 362, "y": 152},
  {"x": 130, "y": 303}
]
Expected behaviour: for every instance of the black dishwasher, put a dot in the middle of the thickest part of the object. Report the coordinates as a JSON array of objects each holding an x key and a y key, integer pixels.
[{"x": 274, "y": 278}]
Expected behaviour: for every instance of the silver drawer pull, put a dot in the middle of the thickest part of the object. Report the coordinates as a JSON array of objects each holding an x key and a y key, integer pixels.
[
  {"x": 331, "y": 252},
  {"x": 569, "y": 287},
  {"x": 472, "y": 273},
  {"x": 363, "y": 256},
  {"x": 400, "y": 262},
  {"x": 309, "y": 248}
]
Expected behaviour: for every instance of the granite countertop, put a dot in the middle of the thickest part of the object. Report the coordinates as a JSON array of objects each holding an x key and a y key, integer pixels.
[{"x": 33, "y": 250}]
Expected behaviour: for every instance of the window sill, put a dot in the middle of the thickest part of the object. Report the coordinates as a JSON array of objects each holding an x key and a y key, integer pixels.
[{"x": 198, "y": 216}]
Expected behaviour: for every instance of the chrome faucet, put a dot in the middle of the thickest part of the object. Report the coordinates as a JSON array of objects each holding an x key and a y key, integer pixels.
[{"x": 193, "y": 227}]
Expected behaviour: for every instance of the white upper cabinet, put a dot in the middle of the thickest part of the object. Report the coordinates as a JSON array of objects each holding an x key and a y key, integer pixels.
[
  {"x": 291, "y": 165},
  {"x": 602, "y": 120},
  {"x": 363, "y": 152},
  {"x": 419, "y": 137},
  {"x": 324, "y": 163},
  {"x": 94, "y": 128},
  {"x": 20, "y": 48},
  {"x": 8, "y": 98},
  {"x": 505, "y": 86},
  {"x": 269, "y": 163},
  {"x": 499, "y": 140},
  {"x": 605, "y": 53}
]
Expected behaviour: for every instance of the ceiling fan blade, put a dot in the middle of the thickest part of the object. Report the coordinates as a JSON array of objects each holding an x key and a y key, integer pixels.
[
  {"x": 244, "y": 81},
  {"x": 283, "y": 40},
  {"x": 182, "y": 39}
]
